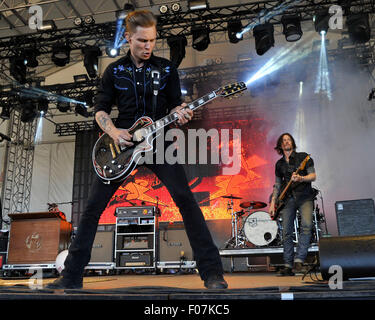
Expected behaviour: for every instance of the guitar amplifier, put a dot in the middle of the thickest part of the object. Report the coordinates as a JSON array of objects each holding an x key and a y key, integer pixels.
[
  {"x": 135, "y": 259},
  {"x": 135, "y": 212},
  {"x": 355, "y": 217}
]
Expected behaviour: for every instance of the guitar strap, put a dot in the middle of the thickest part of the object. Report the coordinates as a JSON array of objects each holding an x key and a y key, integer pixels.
[{"x": 155, "y": 86}]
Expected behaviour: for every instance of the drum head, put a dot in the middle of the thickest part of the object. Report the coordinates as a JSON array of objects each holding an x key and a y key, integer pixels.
[{"x": 260, "y": 229}]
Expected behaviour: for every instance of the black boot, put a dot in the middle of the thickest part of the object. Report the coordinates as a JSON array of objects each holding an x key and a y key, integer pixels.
[
  {"x": 65, "y": 283},
  {"x": 215, "y": 281}
]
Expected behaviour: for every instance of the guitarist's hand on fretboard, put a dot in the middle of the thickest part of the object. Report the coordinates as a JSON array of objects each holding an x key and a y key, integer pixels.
[{"x": 184, "y": 114}]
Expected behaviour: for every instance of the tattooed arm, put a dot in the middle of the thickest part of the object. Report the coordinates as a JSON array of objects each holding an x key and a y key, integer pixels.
[{"x": 119, "y": 136}]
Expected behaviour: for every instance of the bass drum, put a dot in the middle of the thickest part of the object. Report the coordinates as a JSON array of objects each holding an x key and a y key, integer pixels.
[{"x": 260, "y": 229}]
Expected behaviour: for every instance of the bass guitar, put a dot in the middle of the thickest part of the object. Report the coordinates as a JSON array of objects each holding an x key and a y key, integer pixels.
[
  {"x": 115, "y": 163},
  {"x": 280, "y": 202}
]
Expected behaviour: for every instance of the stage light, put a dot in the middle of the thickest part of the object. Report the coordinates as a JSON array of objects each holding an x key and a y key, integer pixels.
[
  {"x": 17, "y": 69},
  {"x": 82, "y": 110},
  {"x": 163, "y": 9},
  {"x": 61, "y": 54},
  {"x": 28, "y": 110},
  {"x": 5, "y": 112},
  {"x": 291, "y": 27},
  {"x": 78, "y": 21},
  {"x": 88, "y": 20},
  {"x": 30, "y": 57},
  {"x": 47, "y": 25},
  {"x": 264, "y": 38},
  {"x": 176, "y": 7},
  {"x": 63, "y": 106},
  {"x": 234, "y": 31},
  {"x": 91, "y": 60},
  {"x": 359, "y": 28},
  {"x": 112, "y": 52},
  {"x": 177, "y": 46},
  {"x": 43, "y": 106},
  {"x": 201, "y": 38},
  {"x": 321, "y": 21},
  {"x": 197, "y": 4}
]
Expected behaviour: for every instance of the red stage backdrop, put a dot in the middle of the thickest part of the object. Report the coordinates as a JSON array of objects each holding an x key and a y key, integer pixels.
[{"x": 252, "y": 183}]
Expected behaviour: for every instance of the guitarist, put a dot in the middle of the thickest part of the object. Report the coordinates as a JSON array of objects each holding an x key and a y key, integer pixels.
[
  {"x": 131, "y": 83},
  {"x": 299, "y": 197}
]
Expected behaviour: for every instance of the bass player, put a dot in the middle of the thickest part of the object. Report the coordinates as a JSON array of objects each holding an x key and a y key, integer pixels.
[{"x": 299, "y": 197}]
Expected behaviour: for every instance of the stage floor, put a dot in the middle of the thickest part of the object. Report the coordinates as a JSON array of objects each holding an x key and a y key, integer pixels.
[{"x": 177, "y": 287}]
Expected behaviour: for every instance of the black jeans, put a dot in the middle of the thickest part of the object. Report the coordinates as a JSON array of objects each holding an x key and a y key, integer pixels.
[{"x": 205, "y": 251}]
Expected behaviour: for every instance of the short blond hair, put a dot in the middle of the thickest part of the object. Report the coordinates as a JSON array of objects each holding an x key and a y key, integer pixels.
[{"x": 140, "y": 18}]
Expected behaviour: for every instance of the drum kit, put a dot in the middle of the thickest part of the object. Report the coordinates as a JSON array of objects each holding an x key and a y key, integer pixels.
[
  {"x": 249, "y": 225},
  {"x": 253, "y": 226}
]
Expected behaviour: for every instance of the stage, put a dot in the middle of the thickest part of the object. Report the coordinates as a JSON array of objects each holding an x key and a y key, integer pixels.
[{"x": 182, "y": 287}]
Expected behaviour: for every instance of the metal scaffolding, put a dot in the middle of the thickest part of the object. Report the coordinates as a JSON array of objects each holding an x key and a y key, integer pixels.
[{"x": 19, "y": 159}]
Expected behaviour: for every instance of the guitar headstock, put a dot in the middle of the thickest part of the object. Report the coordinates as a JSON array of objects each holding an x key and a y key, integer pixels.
[{"x": 231, "y": 89}]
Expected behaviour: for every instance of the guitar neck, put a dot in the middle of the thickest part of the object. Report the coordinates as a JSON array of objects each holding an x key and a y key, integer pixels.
[
  {"x": 167, "y": 120},
  {"x": 282, "y": 195}
]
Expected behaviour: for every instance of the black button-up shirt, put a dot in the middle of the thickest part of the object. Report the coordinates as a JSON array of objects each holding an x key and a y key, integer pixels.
[
  {"x": 284, "y": 171},
  {"x": 129, "y": 88}
]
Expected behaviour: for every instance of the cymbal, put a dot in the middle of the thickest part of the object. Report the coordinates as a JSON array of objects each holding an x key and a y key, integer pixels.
[
  {"x": 231, "y": 197},
  {"x": 253, "y": 205}
]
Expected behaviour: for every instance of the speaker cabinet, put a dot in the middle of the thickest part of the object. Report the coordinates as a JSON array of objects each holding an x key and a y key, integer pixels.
[
  {"x": 37, "y": 237},
  {"x": 102, "y": 249},
  {"x": 174, "y": 243},
  {"x": 355, "y": 217},
  {"x": 355, "y": 255}
]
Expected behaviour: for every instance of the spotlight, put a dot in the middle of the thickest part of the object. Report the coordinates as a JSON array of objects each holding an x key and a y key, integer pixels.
[
  {"x": 163, "y": 9},
  {"x": 88, "y": 20},
  {"x": 234, "y": 27},
  {"x": 63, "y": 106},
  {"x": 91, "y": 60},
  {"x": 177, "y": 46},
  {"x": 264, "y": 40},
  {"x": 88, "y": 98},
  {"x": 61, "y": 54},
  {"x": 5, "y": 112},
  {"x": 78, "y": 21},
  {"x": 197, "y": 4},
  {"x": 291, "y": 28},
  {"x": 82, "y": 110},
  {"x": 47, "y": 26},
  {"x": 176, "y": 7},
  {"x": 28, "y": 110},
  {"x": 121, "y": 15},
  {"x": 359, "y": 28},
  {"x": 201, "y": 38},
  {"x": 17, "y": 69},
  {"x": 112, "y": 52},
  {"x": 30, "y": 57},
  {"x": 43, "y": 106},
  {"x": 321, "y": 21}
]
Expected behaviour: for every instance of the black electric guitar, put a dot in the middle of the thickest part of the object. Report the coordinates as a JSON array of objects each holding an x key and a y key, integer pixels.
[
  {"x": 280, "y": 202},
  {"x": 115, "y": 163}
]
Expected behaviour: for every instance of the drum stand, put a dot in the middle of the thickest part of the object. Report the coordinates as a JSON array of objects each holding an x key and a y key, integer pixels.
[{"x": 237, "y": 238}]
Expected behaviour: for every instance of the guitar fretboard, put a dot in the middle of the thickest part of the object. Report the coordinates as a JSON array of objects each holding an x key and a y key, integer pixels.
[{"x": 157, "y": 125}]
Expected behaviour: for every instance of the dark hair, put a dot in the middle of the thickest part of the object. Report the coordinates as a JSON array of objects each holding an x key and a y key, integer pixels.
[
  {"x": 140, "y": 18},
  {"x": 280, "y": 141}
]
